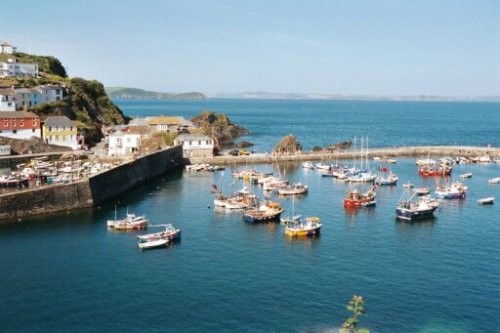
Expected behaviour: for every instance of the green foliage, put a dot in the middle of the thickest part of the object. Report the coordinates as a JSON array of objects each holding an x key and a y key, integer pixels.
[
  {"x": 46, "y": 64},
  {"x": 356, "y": 306},
  {"x": 168, "y": 138}
]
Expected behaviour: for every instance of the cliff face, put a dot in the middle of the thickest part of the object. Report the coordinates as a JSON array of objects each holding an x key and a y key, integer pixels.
[
  {"x": 288, "y": 146},
  {"x": 87, "y": 104},
  {"x": 220, "y": 127}
]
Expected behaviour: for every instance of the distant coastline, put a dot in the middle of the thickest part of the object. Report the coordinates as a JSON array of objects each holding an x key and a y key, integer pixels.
[
  {"x": 313, "y": 96},
  {"x": 134, "y": 93}
]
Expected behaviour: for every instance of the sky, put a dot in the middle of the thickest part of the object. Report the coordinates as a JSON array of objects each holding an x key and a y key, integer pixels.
[{"x": 351, "y": 47}]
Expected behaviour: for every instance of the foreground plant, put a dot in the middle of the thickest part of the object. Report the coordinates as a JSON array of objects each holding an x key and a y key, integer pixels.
[{"x": 356, "y": 306}]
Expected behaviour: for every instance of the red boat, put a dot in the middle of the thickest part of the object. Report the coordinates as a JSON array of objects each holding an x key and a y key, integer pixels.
[
  {"x": 428, "y": 171},
  {"x": 356, "y": 199}
]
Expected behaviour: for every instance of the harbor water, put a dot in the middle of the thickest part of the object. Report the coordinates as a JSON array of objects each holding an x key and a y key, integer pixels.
[{"x": 68, "y": 272}]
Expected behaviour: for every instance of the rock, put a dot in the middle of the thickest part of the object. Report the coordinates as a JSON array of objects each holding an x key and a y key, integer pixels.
[
  {"x": 288, "y": 146},
  {"x": 220, "y": 128}
]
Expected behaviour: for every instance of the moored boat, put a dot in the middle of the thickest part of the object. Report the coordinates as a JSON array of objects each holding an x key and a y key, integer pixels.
[
  {"x": 130, "y": 222},
  {"x": 355, "y": 199},
  {"x": 456, "y": 190},
  {"x": 430, "y": 171},
  {"x": 293, "y": 189},
  {"x": 269, "y": 211},
  {"x": 486, "y": 201},
  {"x": 170, "y": 233},
  {"x": 390, "y": 180},
  {"x": 308, "y": 165},
  {"x": 422, "y": 191},
  {"x": 409, "y": 209},
  {"x": 304, "y": 228},
  {"x": 466, "y": 175},
  {"x": 495, "y": 180}
]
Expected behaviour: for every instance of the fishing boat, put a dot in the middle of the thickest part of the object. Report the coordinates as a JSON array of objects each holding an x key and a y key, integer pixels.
[
  {"x": 495, "y": 180},
  {"x": 422, "y": 191},
  {"x": 269, "y": 211},
  {"x": 355, "y": 199},
  {"x": 457, "y": 190},
  {"x": 304, "y": 228},
  {"x": 431, "y": 171},
  {"x": 466, "y": 175},
  {"x": 154, "y": 244},
  {"x": 293, "y": 189},
  {"x": 392, "y": 161},
  {"x": 308, "y": 165},
  {"x": 130, "y": 222},
  {"x": 410, "y": 209},
  {"x": 323, "y": 166},
  {"x": 486, "y": 201},
  {"x": 170, "y": 233}
]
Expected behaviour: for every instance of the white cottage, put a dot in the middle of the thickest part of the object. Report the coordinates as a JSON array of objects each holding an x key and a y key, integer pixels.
[
  {"x": 6, "y": 48},
  {"x": 195, "y": 145},
  {"x": 7, "y": 100},
  {"x": 122, "y": 144}
]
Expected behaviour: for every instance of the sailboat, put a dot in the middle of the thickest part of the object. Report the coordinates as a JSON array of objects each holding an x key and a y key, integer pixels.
[{"x": 291, "y": 218}]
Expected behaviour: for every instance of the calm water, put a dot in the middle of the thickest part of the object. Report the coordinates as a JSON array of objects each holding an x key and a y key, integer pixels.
[{"x": 67, "y": 272}]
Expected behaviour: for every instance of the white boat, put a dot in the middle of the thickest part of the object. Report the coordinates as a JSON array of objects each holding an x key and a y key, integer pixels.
[
  {"x": 308, "y": 165},
  {"x": 170, "y": 233},
  {"x": 365, "y": 177},
  {"x": 408, "y": 185},
  {"x": 486, "y": 201},
  {"x": 297, "y": 188},
  {"x": 323, "y": 166},
  {"x": 495, "y": 180},
  {"x": 456, "y": 190},
  {"x": 422, "y": 191},
  {"x": 392, "y": 161},
  {"x": 162, "y": 242},
  {"x": 130, "y": 222},
  {"x": 466, "y": 175}
]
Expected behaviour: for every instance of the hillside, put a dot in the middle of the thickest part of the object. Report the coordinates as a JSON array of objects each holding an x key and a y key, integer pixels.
[
  {"x": 84, "y": 101},
  {"x": 134, "y": 93}
]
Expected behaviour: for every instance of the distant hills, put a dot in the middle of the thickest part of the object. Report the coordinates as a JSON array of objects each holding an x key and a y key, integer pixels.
[
  {"x": 134, "y": 93},
  {"x": 313, "y": 96}
]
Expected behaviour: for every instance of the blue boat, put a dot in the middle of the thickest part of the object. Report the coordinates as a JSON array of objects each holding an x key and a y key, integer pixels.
[{"x": 422, "y": 208}]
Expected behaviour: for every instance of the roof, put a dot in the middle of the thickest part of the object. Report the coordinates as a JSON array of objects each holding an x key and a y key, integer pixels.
[
  {"x": 58, "y": 121},
  {"x": 17, "y": 114},
  {"x": 121, "y": 133},
  {"x": 192, "y": 137},
  {"x": 48, "y": 87},
  {"x": 7, "y": 91},
  {"x": 23, "y": 91},
  {"x": 138, "y": 122},
  {"x": 5, "y": 44},
  {"x": 163, "y": 120}
]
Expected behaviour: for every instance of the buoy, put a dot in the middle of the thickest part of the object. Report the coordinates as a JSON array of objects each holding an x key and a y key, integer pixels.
[{"x": 208, "y": 207}]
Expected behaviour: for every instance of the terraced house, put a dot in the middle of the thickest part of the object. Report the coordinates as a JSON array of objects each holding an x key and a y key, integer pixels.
[
  {"x": 19, "y": 125},
  {"x": 60, "y": 131}
]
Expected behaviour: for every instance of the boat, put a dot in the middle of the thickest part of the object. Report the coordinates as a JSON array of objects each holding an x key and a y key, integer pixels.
[
  {"x": 408, "y": 185},
  {"x": 390, "y": 180},
  {"x": 171, "y": 234},
  {"x": 481, "y": 159},
  {"x": 308, "y": 165},
  {"x": 154, "y": 244},
  {"x": 430, "y": 171},
  {"x": 486, "y": 201},
  {"x": 409, "y": 209},
  {"x": 392, "y": 161},
  {"x": 466, "y": 175},
  {"x": 130, "y": 222},
  {"x": 422, "y": 191},
  {"x": 426, "y": 162},
  {"x": 304, "y": 228},
  {"x": 355, "y": 199},
  {"x": 495, "y": 180},
  {"x": 269, "y": 211},
  {"x": 323, "y": 166},
  {"x": 457, "y": 190},
  {"x": 293, "y": 189}
]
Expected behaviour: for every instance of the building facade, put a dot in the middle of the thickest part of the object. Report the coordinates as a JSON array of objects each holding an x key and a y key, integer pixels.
[
  {"x": 49, "y": 93},
  {"x": 19, "y": 125},
  {"x": 195, "y": 145},
  {"x": 122, "y": 144},
  {"x": 7, "y": 100},
  {"x": 6, "y": 48},
  {"x": 4, "y": 150},
  {"x": 18, "y": 69},
  {"x": 60, "y": 131}
]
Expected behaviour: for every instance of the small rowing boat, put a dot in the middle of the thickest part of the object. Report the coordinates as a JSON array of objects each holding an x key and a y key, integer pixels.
[{"x": 486, "y": 201}]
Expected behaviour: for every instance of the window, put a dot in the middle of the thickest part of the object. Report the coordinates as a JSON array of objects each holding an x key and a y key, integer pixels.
[
  {"x": 14, "y": 131},
  {"x": 21, "y": 123},
  {"x": 33, "y": 130},
  {"x": 6, "y": 124},
  {"x": 50, "y": 129},
  {"x": 199, "y": 143},
  {"x": 71, "y": 128}
]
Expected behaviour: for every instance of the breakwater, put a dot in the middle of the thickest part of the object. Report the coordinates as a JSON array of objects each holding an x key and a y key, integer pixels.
[
  {"x": 91, "y": 191},
  {"x": 415, "y": 151}
]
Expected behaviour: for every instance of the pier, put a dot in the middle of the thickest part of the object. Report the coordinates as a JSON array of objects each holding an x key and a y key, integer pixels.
[{"x": 391, "y": 152}]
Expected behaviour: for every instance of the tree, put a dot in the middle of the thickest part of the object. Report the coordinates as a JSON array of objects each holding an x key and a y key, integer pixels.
[{"x": 356, "y": 306}]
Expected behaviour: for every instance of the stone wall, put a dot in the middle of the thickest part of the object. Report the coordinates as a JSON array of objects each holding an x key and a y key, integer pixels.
[
  {"x": 46, "y": 199},
  {"x": 110, "y": 183}
]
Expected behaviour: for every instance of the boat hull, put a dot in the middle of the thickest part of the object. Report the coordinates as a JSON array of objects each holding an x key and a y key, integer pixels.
[
  {"x": 302, "y": 232},
  {"x": 411, "y": 215},
  {"x": 435, "y": 172},
  {"x": 349, "y": 203},
  {"x": 262, "y": 217}
]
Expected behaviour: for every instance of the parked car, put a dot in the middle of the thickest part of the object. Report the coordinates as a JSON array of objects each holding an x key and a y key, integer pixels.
[
  {"x": 244, "y": 152},
  {"x": 234, "y": 152}
]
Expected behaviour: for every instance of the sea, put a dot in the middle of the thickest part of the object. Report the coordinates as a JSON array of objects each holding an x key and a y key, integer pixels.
[{"x": 67, "y": 272}]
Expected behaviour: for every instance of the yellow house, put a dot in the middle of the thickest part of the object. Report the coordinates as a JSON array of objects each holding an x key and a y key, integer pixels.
[{"x": 60, "y": 131}]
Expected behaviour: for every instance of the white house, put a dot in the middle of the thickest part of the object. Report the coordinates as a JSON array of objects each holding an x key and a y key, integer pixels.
[
  {"x": 24, "y": 98},
  {"x": 49, "y": 93},
  {"x": 122, "y": 144},
  {"x": 14, "y": 69},
  {"x": 19, "y": 125},
  {"x": 6, "y": 48},
  {"x": 195, "y": 145},
  {"x": 7, "y": 100}
]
